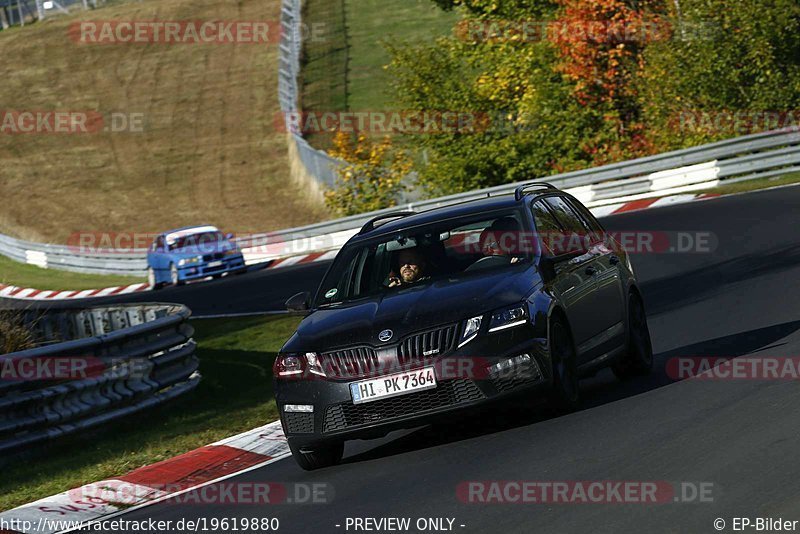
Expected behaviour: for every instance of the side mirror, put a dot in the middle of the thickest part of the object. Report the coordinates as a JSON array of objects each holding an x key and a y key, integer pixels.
[
  {"x": 547, "y": 267},
  {"x": 229, "y": 237},
  {"x": 298, "y": 303}
]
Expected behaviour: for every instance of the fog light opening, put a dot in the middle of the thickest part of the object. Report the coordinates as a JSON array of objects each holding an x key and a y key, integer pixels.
[
  {"x": 298, "y": 408},
  {"x": 522, "y": 366}
]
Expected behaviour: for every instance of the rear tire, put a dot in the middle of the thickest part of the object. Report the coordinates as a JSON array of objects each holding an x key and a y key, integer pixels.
[
  {"x": 319, "y": 456},
  {"x": 565, "y": 395},
  {"x": 638, "y": 358}
]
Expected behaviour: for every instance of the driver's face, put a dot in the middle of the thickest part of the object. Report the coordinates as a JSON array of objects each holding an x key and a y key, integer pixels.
[{"x": 411, "y": 264}]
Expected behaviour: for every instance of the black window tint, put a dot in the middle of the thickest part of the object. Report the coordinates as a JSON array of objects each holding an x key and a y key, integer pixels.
[
  {"x": 545, "y": 222},
  {"x": 566, "y": 215},
  {"x": 586, "y": 216},
  {"x": 595, "y": 233},
  {"x": 549, "y": 230}
]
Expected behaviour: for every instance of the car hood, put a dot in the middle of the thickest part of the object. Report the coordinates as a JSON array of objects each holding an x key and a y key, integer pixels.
[
  {"x": 441, "y": 302},
  {"x": 193, "y": 250}
]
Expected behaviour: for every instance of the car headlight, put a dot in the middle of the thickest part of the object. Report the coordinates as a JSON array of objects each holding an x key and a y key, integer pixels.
[
  {"x": 508, "y": 318},
  {"x": 231, "y": 252},
  {"x": 189, "y": 261},
  {"x": 471, "y": 329},
  {"x": 295, "y": 365}
]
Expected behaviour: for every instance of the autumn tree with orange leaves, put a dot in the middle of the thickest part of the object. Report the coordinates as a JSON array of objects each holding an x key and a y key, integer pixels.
[{"x": 600, "y": 44}]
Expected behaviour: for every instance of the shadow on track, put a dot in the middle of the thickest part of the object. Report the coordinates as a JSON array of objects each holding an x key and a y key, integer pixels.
[
  {"x": 673, "y": 292},
  {"x": 597, "y": 391}
]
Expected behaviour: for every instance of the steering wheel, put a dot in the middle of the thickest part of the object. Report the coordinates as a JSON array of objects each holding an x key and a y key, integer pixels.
[{"x": 488, "y": 262}]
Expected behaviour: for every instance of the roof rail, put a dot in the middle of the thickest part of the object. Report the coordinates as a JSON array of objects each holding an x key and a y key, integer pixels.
[
  {"x": 370, "y": 225},
  {"x": 519, "y": 192}
]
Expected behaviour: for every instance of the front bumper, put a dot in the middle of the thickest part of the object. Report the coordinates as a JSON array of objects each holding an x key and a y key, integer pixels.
[
  {"x": 202, "y": 270},
  {"x": 463, "y": 382}
]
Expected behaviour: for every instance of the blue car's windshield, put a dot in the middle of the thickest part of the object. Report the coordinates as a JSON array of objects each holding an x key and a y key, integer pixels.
[{"x": 204, "y": 242}]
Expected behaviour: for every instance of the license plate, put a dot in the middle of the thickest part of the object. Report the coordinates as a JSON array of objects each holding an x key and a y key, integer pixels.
[
  {"x": 214, "y": 263},
  {"x": 393, "y": 385}
]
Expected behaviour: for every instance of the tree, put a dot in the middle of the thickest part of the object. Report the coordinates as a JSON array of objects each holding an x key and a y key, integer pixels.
[
  {"x": 372, "y": 178},
  {"x": 732, "y": 58}
]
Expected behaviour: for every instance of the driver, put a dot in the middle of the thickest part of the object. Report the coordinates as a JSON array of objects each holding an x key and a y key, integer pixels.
[{"x": 412, "y": 265}]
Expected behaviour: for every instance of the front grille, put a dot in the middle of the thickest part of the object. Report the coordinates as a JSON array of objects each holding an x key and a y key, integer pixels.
[
  {"x": 424, "y": 346},
  {"x": 299, "y": 423},
  {"x": 507, "y": 383},
  {"x": 350, "y": 363},
  {"x": 214, "y": 256},
  {"x": 449, "y": 393}
]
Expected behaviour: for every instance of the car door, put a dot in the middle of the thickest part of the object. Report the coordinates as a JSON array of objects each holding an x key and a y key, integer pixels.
[
  {"x": 611, "y": 283},
  {"x": 573, "y": 282},
  {"x": 605, "y": 265}
]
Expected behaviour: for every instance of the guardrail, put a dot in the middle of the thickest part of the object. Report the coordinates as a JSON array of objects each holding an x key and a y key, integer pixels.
[
  {"x": 94, "y": 366},
  {"x": 317, "y": 163}
]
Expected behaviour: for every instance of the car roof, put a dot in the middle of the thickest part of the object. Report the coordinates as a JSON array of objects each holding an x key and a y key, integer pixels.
[
  {"x": 188, "y": 230},
  {"x": 444, "y": 212}
]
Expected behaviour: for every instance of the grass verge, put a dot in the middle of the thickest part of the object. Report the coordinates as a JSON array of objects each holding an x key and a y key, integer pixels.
[
  {"x": 208, "y": 151},
  {"x": 756, "y": 184},
  {"x": 344, "y": 71},
  {"x": 235, "y": 395},
  {"x": 24, "y": 275}
]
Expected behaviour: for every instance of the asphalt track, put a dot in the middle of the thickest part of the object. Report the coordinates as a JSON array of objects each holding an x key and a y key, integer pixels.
[{"x": 741, "y": 436}]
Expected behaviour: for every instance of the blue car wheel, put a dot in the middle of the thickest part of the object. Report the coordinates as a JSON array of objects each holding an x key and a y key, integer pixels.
[{"x": 173, "y": 275}]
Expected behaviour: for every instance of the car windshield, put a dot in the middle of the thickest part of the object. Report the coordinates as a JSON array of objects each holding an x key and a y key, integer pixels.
[
  {"x": 201, "y": 242},
  {"x": 420, "y": 255}
]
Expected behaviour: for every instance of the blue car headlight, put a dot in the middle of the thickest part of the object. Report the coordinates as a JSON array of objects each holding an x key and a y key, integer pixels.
[
  {"x": 190, "y": 261},
  {"x": 508, "y": 318}
]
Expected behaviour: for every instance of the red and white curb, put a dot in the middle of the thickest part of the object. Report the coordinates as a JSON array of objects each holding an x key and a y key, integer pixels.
[
  {"x": 150, "y": 484},
  {"x": 647, "y": 203},
  {"x": 16, "y": 292},
  {"x": 27, "y": 293}
]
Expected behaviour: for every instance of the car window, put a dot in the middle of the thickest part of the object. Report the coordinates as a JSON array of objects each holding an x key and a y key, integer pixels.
[
  {"x": 548, "y": 228},
  {"x": 566, "y": 215},
  {"x": 201, "y": 242},
  {"x": 418, "y": 256},
  {"x": 596, "y": 231}
]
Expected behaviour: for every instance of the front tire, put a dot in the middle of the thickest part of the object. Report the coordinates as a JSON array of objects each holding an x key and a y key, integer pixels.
[
  {"x": 151, "y": 279},
  {"x": 319, "y": 456},
  {"x": 565, "y": 395},
  {"x": 638, "y": 358},
  {"x": 174, "y": 279}
]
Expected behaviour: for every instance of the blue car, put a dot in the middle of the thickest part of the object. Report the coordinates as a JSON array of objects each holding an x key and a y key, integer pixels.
[{"x": 192, "y": 253}]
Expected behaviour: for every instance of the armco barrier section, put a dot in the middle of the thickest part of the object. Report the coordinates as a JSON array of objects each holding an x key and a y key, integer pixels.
[{"x": 93, "y": 366}]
